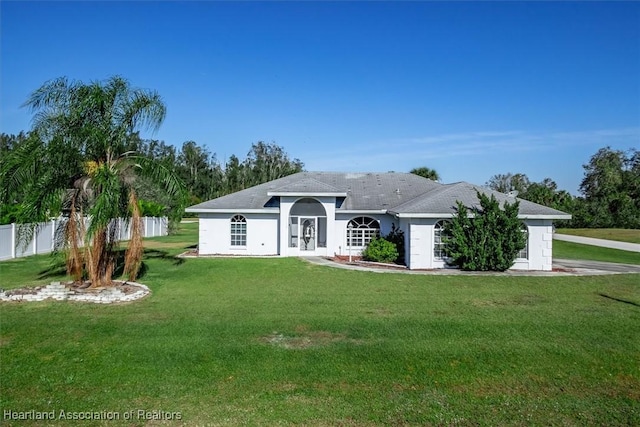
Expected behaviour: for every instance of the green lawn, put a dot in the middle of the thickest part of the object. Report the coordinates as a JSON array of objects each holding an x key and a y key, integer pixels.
[
  {"x": 569, "y": 250},
  {"x": 619, "y": 234},
  {"x": 280, "y": 341}
]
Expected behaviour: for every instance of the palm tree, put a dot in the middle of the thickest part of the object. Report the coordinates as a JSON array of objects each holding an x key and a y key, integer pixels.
[
  {"x": 426, "y": 172},
  {"x": 80, "y": 165}
]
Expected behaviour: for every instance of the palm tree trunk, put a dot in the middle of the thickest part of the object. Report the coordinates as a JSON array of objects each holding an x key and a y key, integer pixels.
[
  {"x": 100, "y": 263},
  {"x": 133, "y": 256},
  {"x": 74, "y": 257}
]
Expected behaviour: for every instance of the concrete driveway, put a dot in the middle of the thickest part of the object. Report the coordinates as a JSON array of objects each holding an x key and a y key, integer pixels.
[
  {"x": 633, "y": 247},
  {"x": 594, "y": 267},
  {"x": 561, "y": 267}
]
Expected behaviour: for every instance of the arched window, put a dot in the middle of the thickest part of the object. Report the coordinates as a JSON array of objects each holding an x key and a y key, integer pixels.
[
  {"x": 361, "y": 230},
  {"x": 524, "y": 252},
  {"x": 238, "y": 231},
  {"x": 438, "y": 242}
]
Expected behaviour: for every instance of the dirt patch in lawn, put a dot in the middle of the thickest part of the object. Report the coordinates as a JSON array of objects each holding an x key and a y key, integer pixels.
[{"x": 304, "y": 339}]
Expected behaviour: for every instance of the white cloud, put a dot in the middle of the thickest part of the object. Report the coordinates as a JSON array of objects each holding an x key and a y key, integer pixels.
[{"x": 366, "y": 156}]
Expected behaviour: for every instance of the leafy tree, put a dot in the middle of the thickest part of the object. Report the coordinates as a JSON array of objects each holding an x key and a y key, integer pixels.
[
  {"x": 158, "y": 151},
  {"x": 11, "y": 198},
  {"x": 81, "y": 163},
  {"x": 9, "y": 213},
  {"x": 198, "y": 168},
  {"x": 148, "y": 190},
  {"x": 505, "y": 183},
  {"x": 380, "y": 250},
  {"x": 426, "y": 172},
  {"x": 396, "y": 236},
  {"x": 486, "y": 238},
  {"x": 234, "y": 175},
  {"x": 611, "y": 189},
  {"x": 266, "y": 162},
  {"x": 149, "y": 208},
  {"x": 546, "y": 193},
  {"x": 9, "y": 142}
]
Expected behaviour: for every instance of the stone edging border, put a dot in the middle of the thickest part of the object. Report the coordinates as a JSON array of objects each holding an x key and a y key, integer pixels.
[{"x": 61, "y": 292}]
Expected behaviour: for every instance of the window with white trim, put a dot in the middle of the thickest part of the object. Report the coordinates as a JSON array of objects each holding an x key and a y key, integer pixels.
[
  {"x": 238, "y": 231},
  {"x": 438, "y": 242},
  {"x": 524, "y": 252},
  {"x": 361, "y": 230}
]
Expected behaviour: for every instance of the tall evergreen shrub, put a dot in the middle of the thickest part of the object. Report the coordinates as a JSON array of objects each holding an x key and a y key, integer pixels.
[
  {"x": 486, "y": 238},
  {"x": 396, "y": 236}
]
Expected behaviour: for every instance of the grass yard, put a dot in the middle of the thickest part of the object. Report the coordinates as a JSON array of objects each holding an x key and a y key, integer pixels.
[
  {"x": 280, "y": 341},
  {"x": 619, "y": 234},
  {"x": 569, "y": 250}
]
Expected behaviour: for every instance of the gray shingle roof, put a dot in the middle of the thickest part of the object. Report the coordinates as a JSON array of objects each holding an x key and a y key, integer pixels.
[
  {"x": 443, "y": 200},
  {"x": 307, "y": 185},
  {"x": 404, "y": 194}
]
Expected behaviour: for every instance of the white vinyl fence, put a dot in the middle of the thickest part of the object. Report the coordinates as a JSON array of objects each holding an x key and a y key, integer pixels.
[{"x": 43, "y": 242}]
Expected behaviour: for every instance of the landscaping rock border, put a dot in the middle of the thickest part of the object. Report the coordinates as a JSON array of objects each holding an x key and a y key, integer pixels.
[{"x": 125, "y": 292}]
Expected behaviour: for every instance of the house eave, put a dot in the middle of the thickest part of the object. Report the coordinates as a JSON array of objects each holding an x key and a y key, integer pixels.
[
  {"x": 422, "y": 215},
  {"x": 362, "y": 211},
  {"x": 558, "y": 217},
  {"x": 450, "y": 215},
  {"x": 233, "y": 211}
]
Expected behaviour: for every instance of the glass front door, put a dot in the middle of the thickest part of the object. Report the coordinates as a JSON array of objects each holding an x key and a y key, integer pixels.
[{"x": 307, "y": 234}]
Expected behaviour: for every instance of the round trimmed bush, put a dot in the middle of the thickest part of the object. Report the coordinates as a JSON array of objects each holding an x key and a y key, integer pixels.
[{"x": 380, "y": 250}]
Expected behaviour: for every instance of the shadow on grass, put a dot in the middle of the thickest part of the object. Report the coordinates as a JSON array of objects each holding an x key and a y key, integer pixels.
[
  {"x": 619, "y": 300},
  {"x": 58, "y": 267}
]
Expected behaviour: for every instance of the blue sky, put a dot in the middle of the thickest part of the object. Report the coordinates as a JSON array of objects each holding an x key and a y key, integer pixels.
[{"x": 469, "y": 89}]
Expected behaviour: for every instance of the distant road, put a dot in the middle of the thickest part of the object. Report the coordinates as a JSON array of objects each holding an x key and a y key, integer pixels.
[{"x": 633, "y": 247}]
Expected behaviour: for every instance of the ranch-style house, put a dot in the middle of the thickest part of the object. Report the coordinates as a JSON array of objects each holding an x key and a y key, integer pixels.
[{"x": 330, "y": 213}]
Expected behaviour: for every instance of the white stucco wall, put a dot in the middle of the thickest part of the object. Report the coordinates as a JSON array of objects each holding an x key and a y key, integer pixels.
[
  {"x": 264, "y": 235},
  {"x": 340, "y": 231},
  {"x": 420, "y": 236},
  {"x": 215, "y": 232},
  {"x": 540, "y": 246},
  {"x": 286, "y": 204},
  {"x": 419, "y": 241}
]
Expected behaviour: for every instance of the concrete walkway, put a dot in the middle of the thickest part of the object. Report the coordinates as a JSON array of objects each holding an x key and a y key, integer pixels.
[
  {"x": 633, "y": 247},
  {"x": 561, "y": 267}
]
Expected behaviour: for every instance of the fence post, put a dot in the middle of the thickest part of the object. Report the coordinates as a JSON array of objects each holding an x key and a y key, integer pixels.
[
  {"x": 13, "y": 240},
  {"x": 53, "y": 234}
]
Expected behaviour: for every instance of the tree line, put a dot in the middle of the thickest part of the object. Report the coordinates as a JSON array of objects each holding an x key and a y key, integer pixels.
[
  {"x": 203, "y": 175},
  {"x": 610, "y": 191}
]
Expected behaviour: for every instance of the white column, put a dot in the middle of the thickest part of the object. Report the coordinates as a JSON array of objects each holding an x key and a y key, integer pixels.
[
  {"x": 285, "y": 207},
  {"x": 329, "y": 205}
]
